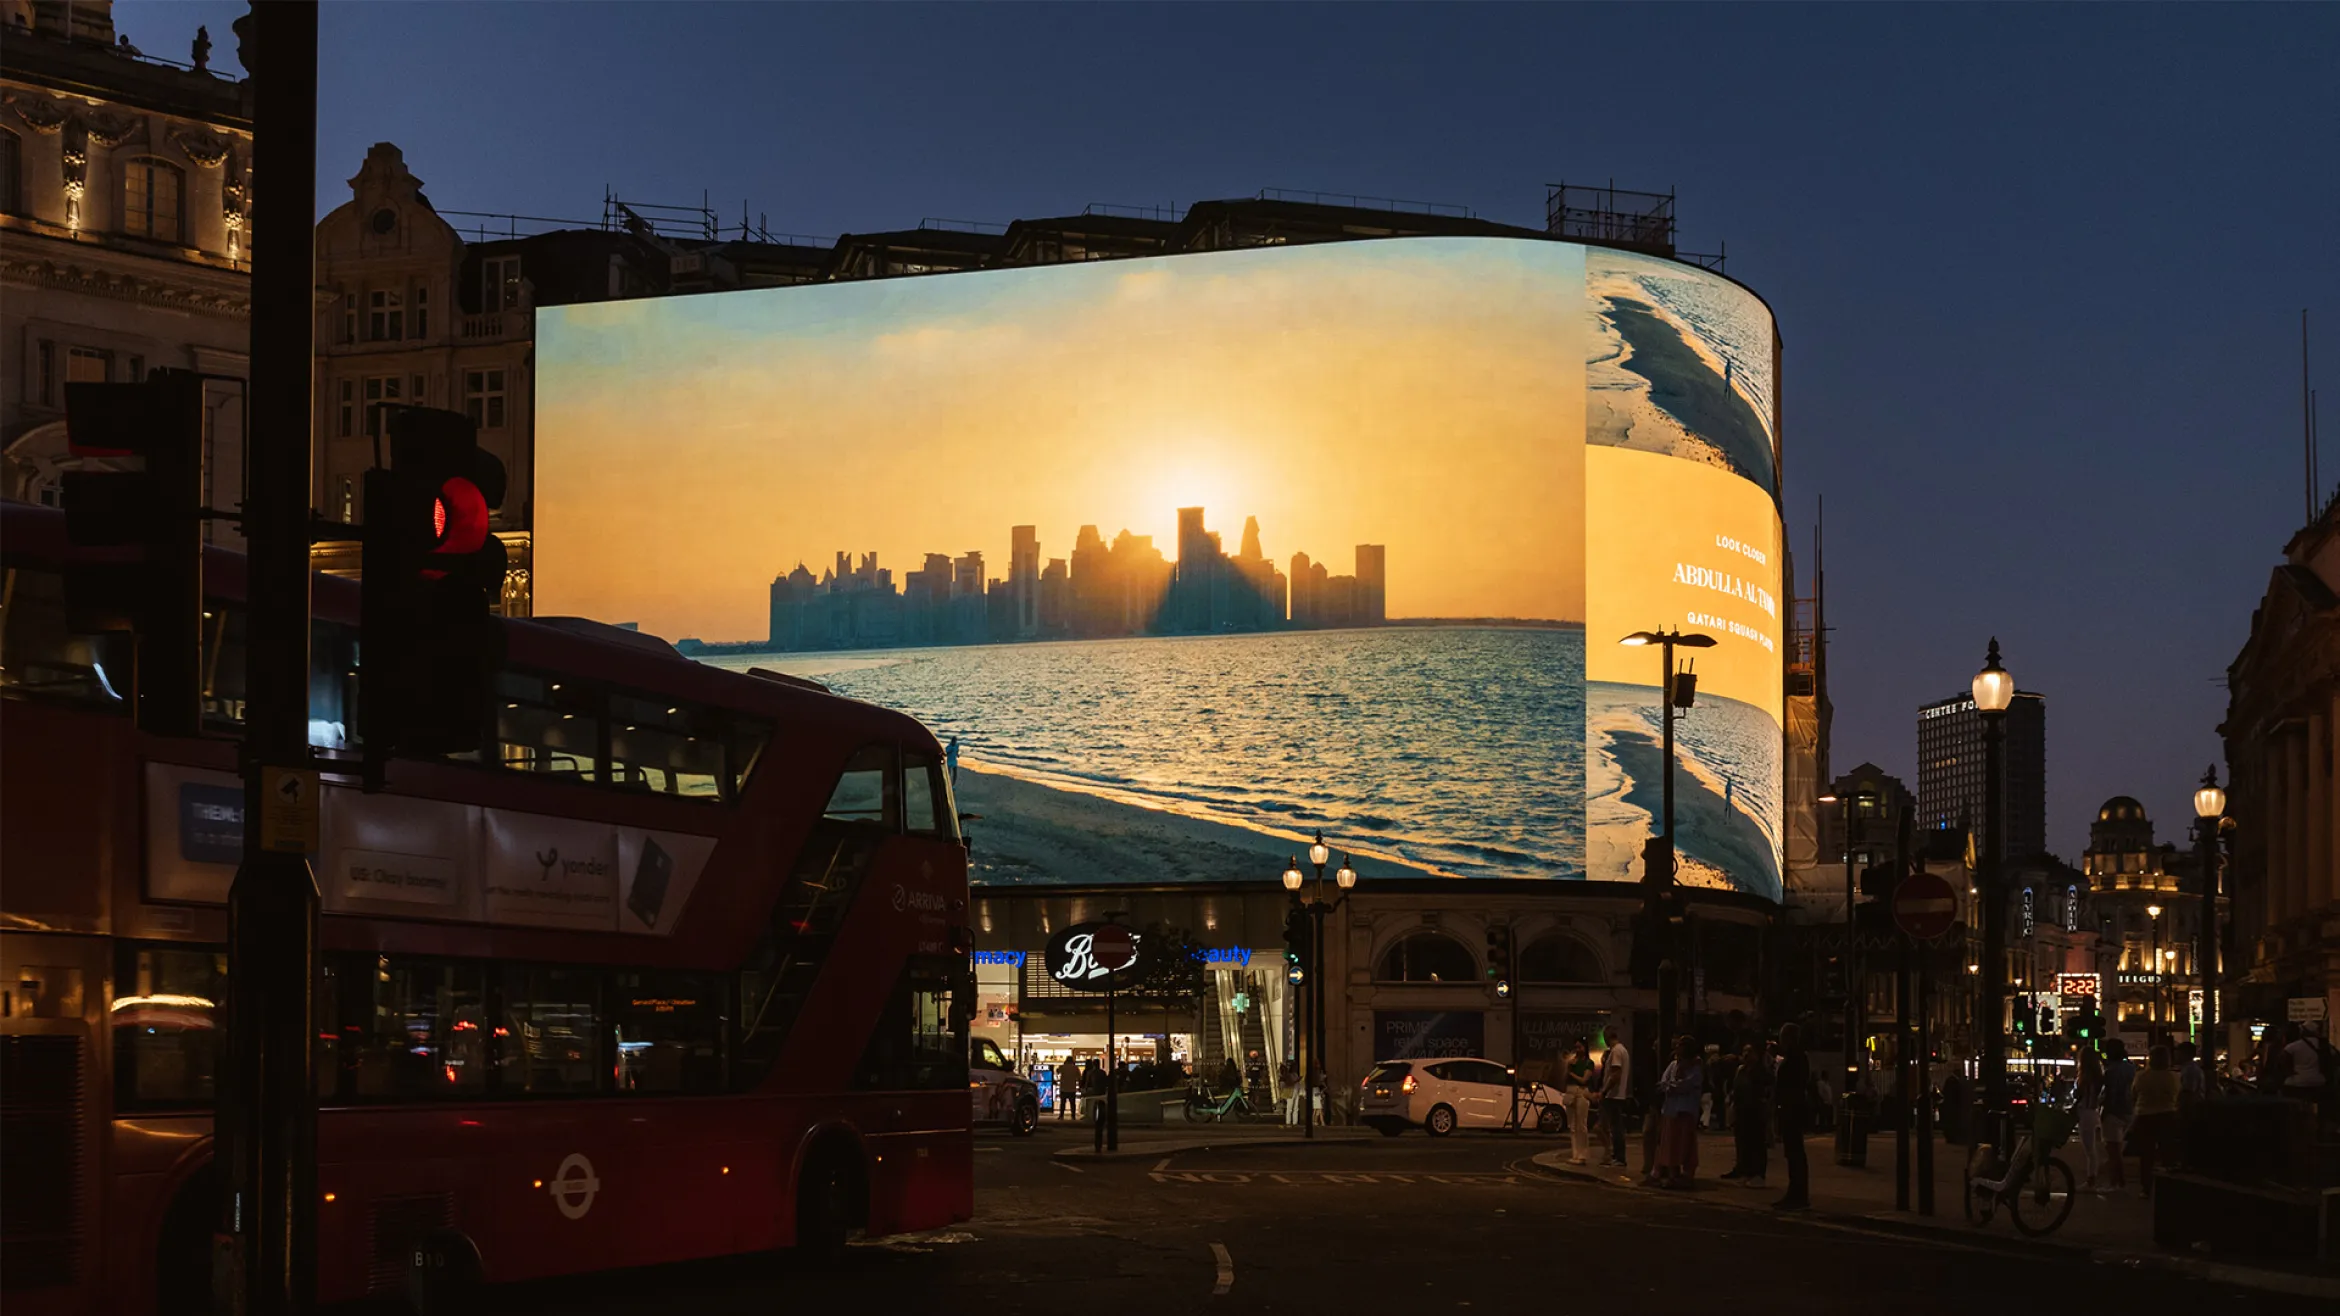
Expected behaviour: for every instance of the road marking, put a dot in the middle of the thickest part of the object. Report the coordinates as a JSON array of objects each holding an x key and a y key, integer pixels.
[
  {"x": 1226, "y": 1269},
  {"x": 1161, "y": 1165},
  {"x": 1342, "y": 1177},
  {"x": 1062, "y": 1166}
]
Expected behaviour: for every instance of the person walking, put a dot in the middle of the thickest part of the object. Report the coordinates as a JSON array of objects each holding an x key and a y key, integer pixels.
[
  {"x": 1576, "y": 1078},
  {"x": 1616, "y": 1095},
  {"x": 1791, "y": 1101},
  {"x": 1679, "y": 1090},
  {"x": 2120, "y": 1105},
  {"x": 2304, "y": 1076},
  {"x": 2088, "y": 1115},
  {"x": 1068, "y": 1088},
  {"x": 1750, "y": 1105},
  {"x": 2156, "y": 1115},
  {"x": 2193, "y": 1080}
]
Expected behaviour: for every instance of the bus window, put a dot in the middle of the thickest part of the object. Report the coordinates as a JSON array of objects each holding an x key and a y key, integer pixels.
[
  {"x": 333, "y": 663},
  {"x": 166, "y": 1025},
  {"x": 920, "y": 1041},
  {"x": 866, "y": 792},
  {"x": 549, "y": 726},
  {"x": 40, "y": 658},
  {"x": 746, "y": 738},
  {"x": 657, "y": 744},
  {"x": 551, "y": 1032},
  {"x": 669, "y": 1029},
  {"x": 417, "y": 1030},
  {"x": 924, "y": 800},
  {"x": 223, "y": 665}
]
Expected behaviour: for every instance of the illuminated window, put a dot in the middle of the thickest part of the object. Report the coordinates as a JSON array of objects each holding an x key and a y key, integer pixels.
[
  {"x": 866, "y": 791},
  {"x": 88, "y": 365},
  {"x": 150, "y": 199}
]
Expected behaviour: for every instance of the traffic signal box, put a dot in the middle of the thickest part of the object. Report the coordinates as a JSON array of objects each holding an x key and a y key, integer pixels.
[
  {"x": 433, "y": 573},
  {"x": 1296, "y": 948},
  {"x": 1498, "y": 953},
  {"x": 157, "y": 508}
]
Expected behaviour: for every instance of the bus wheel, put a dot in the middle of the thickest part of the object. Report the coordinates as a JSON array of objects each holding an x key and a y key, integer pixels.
[
  {"x": 182, "y": 1262},
  {"x": 443, "y": 1275},
  {"x": 829, "y": 1203}
]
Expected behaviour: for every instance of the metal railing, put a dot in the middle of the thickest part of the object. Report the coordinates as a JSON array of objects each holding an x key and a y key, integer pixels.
[{"x": 1354, "y": 202}]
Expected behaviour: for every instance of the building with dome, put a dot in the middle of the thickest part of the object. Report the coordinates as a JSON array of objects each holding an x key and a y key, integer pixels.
[{"x": 2145, "y": 904}]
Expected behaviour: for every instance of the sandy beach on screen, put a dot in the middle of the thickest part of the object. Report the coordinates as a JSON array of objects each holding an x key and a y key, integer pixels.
[{"x": 1029, "y": 833}]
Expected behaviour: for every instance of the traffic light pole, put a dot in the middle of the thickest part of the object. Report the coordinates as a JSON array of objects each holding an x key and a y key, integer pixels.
[
  {"x": 266, "y": 1120},
  {"x": 1669, "y": 972}
]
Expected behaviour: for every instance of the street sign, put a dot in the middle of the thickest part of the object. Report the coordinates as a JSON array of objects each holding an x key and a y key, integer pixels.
[
  {"x": 1923, "y": 906},
  {"x": 1113, "y": 947},
  {"x": 288, "y": 810},
  {"x": 2306, "y": 1009}
]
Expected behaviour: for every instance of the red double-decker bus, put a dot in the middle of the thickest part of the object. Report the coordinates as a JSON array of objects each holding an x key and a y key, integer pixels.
[{"x": 674, "y": 964}]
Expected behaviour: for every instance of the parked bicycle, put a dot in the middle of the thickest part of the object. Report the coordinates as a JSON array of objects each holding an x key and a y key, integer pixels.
[
  {"x": 2034, "y": 1186},
  {"x": 1202, "y": 1108}
]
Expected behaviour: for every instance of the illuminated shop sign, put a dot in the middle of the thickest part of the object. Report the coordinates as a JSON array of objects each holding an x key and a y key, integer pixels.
[
  {"x": 2076, "y": 984},
  {"x": 1014, "y": 959}
]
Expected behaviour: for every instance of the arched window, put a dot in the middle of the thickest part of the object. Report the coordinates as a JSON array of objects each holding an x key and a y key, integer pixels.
[
  {"x": 1426, "y": 957},
  {"x": 11, "y": 174},
  {"x": 1559, "y": 958},
  {"x": 150, "y": 199}
]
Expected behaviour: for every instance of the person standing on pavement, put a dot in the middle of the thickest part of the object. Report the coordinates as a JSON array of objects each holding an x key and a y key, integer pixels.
[
  {"x": 1576, "y": 1078},
  {"x": 2088, "y": 1115},
  {"x": 1068, "y": 1088},
  {"x": 1791, "y": 1099},
  {"x": 2156, "y": 1117},
  {"x": 1680, "y": 1088},
  {"x": 2120, "y": 1105},
  {"x": 1616, "y": 1095},
  {"x": 2193, "y": 1081},
  {"x": 1750, "y": 1100}
]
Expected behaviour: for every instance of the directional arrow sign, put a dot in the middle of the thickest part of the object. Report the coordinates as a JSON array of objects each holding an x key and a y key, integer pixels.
[{"x": 1924, "y": 906}]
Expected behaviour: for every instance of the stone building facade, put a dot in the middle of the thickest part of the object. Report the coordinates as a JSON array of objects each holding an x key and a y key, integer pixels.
[
  {"x": 124, "y": 236},
  {"x": 2282, "y": 715}
]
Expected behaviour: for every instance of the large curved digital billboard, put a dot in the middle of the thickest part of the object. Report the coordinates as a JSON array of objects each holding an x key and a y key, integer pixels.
[{"x": 1189, "y": 557}]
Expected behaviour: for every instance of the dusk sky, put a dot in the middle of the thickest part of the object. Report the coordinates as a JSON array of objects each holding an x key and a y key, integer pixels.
[{"x": 2039, "y": 270}]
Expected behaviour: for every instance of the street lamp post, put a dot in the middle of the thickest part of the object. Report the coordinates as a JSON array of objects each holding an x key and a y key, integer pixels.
[
  {"x": 1659, "y": 875},
  {"x": 1312, "y": 985},
  {"x": 2153, "y": 1005},
  {"x": 1994, "y": 691},
  {"x": 2209, "y": 811},
  {"x": 1854, "y": 982}
]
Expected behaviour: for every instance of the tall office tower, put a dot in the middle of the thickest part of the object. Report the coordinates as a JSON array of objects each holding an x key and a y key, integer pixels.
[
  {"x": 1950, "y": 771},
  {"x": 1372, "y": 584},
  {"x": 1024, "y": 578},
  {"x": 1303, "y": 597}
]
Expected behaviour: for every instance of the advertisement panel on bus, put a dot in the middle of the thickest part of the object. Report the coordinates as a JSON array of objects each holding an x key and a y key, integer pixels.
[{"x": 1194, "y": 555}]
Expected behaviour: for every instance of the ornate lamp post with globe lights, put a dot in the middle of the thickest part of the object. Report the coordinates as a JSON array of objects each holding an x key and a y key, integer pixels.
[
  {"x": 2209, "y": 815},
  {"x": 1312, "y": 988},
  {"x": 1994, "y": 691}
]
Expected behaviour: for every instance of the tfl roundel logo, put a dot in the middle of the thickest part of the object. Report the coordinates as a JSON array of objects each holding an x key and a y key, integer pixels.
[{"x": 574, "y": 1186}]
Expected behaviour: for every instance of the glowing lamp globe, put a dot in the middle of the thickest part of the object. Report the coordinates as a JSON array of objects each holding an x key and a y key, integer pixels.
[{"x": 1994, "y": 689}]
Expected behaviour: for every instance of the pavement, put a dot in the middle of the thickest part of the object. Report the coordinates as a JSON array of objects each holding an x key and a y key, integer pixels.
[
  {"x": 2106, "y": 1227},
  {"x": 1257, "y": 1223}
]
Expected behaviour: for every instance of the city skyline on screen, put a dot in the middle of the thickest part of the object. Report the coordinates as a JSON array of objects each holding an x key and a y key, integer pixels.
[{"x": 1421, "y": 395}]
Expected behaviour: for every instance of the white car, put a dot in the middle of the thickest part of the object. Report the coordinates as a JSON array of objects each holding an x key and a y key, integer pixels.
[
  {"x": 1000, "y": 1094},
  {"x": 1444, "y": 1095}
]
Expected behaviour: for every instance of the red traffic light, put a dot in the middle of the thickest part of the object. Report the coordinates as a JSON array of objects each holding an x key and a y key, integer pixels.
[{"x": 459, "y": 518}]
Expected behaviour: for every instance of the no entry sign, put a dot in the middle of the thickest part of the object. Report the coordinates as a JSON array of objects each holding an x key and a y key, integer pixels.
[
  {"x": 1113, "y": 947},
  {"x": 1923, "y": 906}
]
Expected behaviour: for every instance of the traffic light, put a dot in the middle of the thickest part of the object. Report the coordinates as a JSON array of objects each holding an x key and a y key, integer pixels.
[
  {"x": 1499, "y": 955},
  {"x": 2047, "y": 1021},
  {"x": 159, "y": 509},
  {"x": 432, "y": 575},
  {"x": 2024, "y": 1015},
  {"x": 1879, "y": 880},
  {"x": 2085, "y": 1026},
  {"x": 1296, "y": 940}
]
